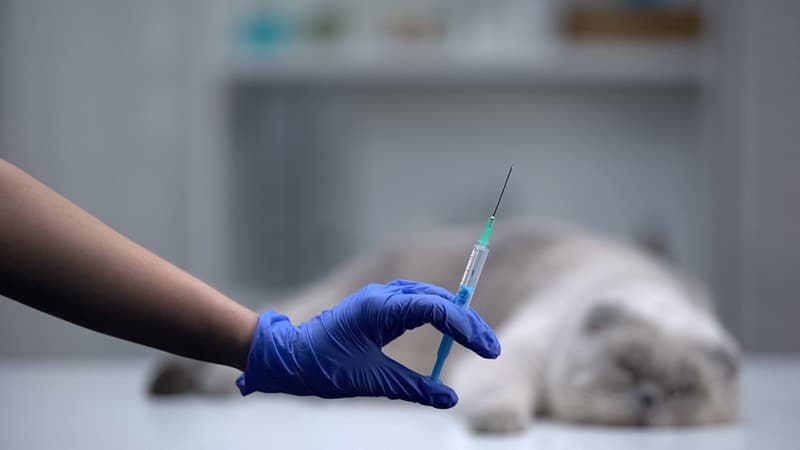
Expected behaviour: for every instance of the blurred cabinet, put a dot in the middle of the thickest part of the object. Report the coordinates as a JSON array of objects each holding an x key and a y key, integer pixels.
[
  {"x": 338, "y": 156},
  {"x": 704, "y": 149}
]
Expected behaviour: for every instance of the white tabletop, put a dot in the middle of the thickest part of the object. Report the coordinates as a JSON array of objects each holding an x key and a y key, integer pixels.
[{"x": 102, "y": 405}]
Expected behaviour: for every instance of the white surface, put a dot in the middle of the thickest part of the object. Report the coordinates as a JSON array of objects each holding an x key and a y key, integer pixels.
[
  {"x": 660, "y": 64},
  {"x": 103, "y": 406}
]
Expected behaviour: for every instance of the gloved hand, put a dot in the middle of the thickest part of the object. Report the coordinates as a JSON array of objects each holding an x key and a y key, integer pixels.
[{"x": 338, "y": 353}]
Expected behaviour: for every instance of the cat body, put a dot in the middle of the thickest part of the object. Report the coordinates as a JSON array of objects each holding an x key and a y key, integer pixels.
[{"x": 593, "y": 330}]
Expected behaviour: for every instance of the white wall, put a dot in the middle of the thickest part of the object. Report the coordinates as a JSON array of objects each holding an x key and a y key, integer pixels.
[{"x": 771, "y": 228}]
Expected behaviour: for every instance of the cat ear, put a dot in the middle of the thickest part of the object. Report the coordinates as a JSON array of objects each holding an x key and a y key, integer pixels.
[
  {"x": 727, "y": 359},
  {"x": 603, "y": 316}
]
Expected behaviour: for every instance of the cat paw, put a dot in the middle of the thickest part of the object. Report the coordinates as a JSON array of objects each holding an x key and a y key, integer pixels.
[{"x": 499, "y": 420}]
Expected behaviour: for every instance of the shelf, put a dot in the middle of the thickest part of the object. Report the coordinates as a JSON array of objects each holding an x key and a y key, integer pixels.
[{"x": 586, "y": 64}]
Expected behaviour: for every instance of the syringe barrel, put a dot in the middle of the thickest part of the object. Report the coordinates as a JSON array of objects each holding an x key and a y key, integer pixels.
[
  {"x": 463, "y": 297},
  {"x": 477, "y": 259}
]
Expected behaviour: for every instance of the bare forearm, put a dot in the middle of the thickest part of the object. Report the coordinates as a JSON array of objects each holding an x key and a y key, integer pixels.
[{"x": 59, "y": 259}]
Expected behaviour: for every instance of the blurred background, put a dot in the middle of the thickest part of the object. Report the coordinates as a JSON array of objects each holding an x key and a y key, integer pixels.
[{"x": 258, "y": 143}]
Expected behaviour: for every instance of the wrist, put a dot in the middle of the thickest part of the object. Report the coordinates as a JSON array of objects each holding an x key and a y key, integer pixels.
[
  {"x": 270, "y": 362},
  {"x": 244, "y": 340}
]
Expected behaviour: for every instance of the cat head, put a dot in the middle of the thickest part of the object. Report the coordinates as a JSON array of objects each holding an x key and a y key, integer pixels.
[{"x": 666, "y": 364}]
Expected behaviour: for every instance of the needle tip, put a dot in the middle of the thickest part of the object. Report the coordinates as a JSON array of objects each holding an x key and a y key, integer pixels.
[{"x": 508, "y": 175}]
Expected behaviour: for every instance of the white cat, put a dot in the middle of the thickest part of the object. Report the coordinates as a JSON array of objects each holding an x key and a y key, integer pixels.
[{"x": 593, "y": 330}]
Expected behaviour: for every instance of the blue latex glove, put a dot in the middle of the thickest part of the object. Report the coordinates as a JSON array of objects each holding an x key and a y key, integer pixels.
[{"x": 338, "y": 353}]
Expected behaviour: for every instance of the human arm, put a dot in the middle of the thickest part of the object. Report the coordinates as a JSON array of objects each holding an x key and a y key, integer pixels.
[{"x": 59, "y": 259}]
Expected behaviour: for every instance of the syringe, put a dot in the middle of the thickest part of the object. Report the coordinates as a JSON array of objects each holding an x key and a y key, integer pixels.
[{"x": 469, "y": 281}]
